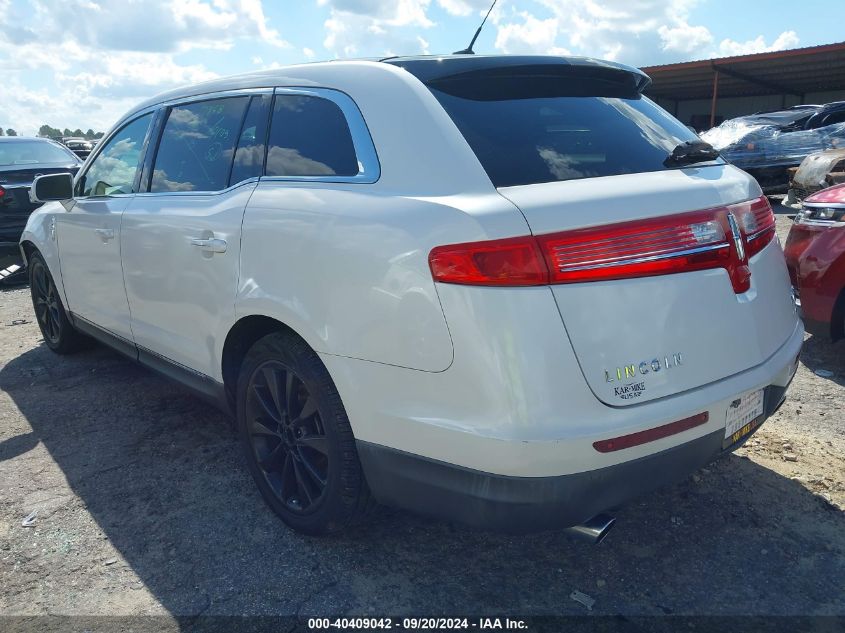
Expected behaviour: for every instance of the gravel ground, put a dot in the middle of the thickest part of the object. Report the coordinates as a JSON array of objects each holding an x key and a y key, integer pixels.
[{"x": 144, "y": 507}]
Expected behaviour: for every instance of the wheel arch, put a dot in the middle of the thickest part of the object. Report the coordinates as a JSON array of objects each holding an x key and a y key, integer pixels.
[
  {"x": 245, "y": 332},
  {"x": 28, "y": 247}
]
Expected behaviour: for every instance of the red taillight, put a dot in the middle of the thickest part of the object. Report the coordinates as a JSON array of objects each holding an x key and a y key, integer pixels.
[
  {"x": 757, "y": 223},
  {"x": 699, "y": 240},
  {"x": 831, "y": 195},
  {"x": 509, "y": 262},
  {"x": 643, "y": 248},
  {"x": 2, "y": 192},
  {"x": 650, "y": 435}
]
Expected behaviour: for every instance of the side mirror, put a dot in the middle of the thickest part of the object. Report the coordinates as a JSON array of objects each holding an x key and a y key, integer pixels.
[{"x": 51, "y": 187}]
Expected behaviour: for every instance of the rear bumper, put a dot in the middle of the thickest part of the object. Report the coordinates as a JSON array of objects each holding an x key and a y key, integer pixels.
[{"x": 531, "y": 504}]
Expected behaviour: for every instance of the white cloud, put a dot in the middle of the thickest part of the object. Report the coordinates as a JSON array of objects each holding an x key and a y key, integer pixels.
[
  {"x": 88, "y": 75},
  {"x": 390, "y": 12},
  {"x": 156, "y": 25},
  {"x": 464, "y": 7},
  {"x": 82, "y": 63},
  {"x": 531, "y": 35},
  {"x": 728, "y": 47},
  {"x": 637, "y": 32},
  {"x": 371, "y": 27},
  {"x": 633, "y": 31},
  {"x": 684, "y": 38},
  {"x": 100, "y": 57}
]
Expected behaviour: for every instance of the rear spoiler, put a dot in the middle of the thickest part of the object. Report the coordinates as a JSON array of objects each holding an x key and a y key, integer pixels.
[{"x": 502, "y": 77}]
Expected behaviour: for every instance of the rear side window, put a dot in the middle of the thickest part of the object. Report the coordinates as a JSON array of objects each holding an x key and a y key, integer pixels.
[
  {"x": 249, "y": 155},
  {"x": 537, "y": 129},
  {"x": 197, "y": 145},
  {"x": 309, "y": 136}
]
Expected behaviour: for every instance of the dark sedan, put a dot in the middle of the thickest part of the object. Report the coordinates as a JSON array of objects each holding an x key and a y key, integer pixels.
[{"x": 21, "y": 160}]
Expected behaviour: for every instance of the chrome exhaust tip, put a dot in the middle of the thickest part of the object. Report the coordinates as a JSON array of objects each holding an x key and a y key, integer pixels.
[{"x": 593, "y": 530}]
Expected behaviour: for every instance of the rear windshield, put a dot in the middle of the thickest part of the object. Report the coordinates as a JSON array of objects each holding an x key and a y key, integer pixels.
[
  {"x": 33, "y": 153},
  {"x": 530, "y": 133}
]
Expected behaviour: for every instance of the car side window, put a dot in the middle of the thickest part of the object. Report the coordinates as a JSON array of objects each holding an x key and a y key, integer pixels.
[
  {"x": 309, "y": 136},
  {"x": 249, "y": 155},
  {"x": 835, "y": 117},
  {"x": 197, "y": 145},
  {"x": 116, "y": 165}
]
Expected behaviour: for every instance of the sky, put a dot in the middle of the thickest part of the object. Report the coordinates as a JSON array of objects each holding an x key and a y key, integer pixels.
[{"x": 83, "y": 63}]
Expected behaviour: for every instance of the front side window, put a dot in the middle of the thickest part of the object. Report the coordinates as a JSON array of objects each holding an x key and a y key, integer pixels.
[
  {"x": 115, "y": 167},
  {"x": 197, "y": 145},
  {"x": 309, "y": 136}
]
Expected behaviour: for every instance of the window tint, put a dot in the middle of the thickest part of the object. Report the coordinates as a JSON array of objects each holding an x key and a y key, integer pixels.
[
  {"x": 197, "y": 145},
  {"x": 523, "y": 140},
  {"x": 309, "y": 136},
  {"x": 249, "y": 156},
  {"x": 113, "y": 170}
]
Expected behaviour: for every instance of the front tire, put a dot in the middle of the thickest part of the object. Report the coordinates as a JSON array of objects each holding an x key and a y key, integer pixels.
[
  {"x": 57, "y": 330},
  {"x": 297, "y": 438}
]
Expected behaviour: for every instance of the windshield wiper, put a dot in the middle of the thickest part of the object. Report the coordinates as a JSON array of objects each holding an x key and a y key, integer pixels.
[{"x": 690, "y": 152}]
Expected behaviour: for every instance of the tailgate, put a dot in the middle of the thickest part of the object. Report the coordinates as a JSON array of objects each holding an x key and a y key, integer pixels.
[{"x": 648, "y": 337}]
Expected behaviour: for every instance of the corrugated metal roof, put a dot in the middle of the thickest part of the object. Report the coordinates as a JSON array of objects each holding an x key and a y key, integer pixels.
[{"x": 796, "y": 71}]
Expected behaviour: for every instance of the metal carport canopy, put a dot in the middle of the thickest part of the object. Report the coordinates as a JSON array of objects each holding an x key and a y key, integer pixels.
[{"x": 796, "y": 72}]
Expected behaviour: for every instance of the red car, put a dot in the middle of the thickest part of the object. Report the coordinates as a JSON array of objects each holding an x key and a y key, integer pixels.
[{"x": 815, "y": 254}]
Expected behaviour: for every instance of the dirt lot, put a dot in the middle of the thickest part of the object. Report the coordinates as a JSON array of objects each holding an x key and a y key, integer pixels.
[{"x": 144, "y": 507}]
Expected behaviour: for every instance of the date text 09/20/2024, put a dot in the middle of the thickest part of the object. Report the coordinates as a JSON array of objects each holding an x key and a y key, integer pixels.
[{"x": 431, "y": 624}]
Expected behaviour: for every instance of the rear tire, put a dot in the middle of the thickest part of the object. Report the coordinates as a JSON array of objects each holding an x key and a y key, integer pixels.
[
  {"x": 297, "y": 438},
  {"x": 57, "y": 330}
]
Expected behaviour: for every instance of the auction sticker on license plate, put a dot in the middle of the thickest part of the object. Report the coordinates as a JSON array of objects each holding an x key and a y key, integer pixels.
[{"x": 742, "y": 414}]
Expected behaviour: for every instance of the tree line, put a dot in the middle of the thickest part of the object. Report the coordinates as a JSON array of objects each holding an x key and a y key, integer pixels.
[{"x": 54, "y": 132}]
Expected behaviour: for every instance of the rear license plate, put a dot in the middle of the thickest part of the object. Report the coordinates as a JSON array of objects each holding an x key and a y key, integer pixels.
[{"x": 743, "y": 416}]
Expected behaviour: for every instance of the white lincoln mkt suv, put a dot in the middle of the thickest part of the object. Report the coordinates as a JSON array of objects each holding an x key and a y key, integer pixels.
[{"x": 509, "y": 291}]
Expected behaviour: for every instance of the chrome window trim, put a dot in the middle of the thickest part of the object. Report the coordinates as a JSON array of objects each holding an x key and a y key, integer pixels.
[
  {"x": 240, "y": 183},
  {"x": 369, "y": 168},
  {"x": 211, "y": 96}
]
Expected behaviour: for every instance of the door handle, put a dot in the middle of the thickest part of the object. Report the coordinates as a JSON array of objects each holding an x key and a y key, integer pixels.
[
  {"x": 210, "y": 245},
  {"x": 105, "y": 234}
]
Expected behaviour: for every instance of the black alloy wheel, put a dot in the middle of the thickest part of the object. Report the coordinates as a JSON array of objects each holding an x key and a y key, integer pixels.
[
  {"x": 287, "y": 436},
  {"x": 45, "y": 301},
  {"x": 59, "y": 333},
  {"x": 297, "y": 438}
]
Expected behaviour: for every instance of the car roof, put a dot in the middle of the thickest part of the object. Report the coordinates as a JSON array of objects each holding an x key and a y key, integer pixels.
[{"x": 423, "y": 67}]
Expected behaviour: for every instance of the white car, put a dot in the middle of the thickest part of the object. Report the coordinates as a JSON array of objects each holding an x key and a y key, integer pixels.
[{"x": 509, "y": 291}]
